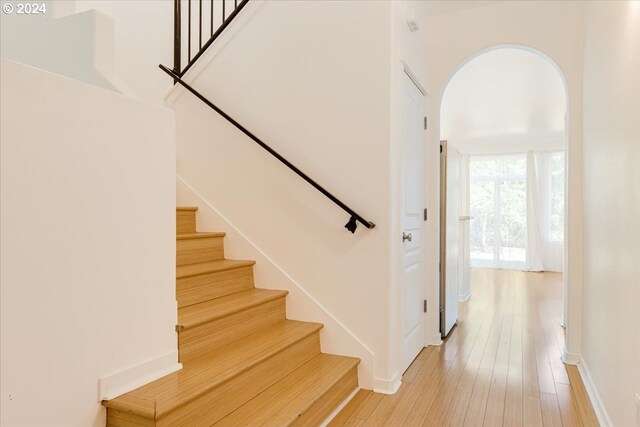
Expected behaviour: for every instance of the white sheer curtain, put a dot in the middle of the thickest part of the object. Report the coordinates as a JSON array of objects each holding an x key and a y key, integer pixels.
[
  {"x": 517, "y": 205},
  {"x": 551, "y": 184},
  {"x": 534, "y": 239}
]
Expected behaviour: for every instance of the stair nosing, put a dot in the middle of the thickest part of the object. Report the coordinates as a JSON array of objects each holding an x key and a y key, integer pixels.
[
  {"x": 163, "y": 409},
  {"x": 239, "y": 264},
  {"x": 199, "y": 235},
  {"x": 269, "y": 296},
  {"x": 186, "y": 208}
]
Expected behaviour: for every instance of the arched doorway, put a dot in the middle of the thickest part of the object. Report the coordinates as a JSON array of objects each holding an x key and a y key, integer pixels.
[{"x": 511, "y": 101}]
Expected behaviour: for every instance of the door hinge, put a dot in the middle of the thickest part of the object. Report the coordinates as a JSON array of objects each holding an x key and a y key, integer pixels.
[
  {"x": 425, "y": 214},
  {"x": 425, "y": 122},
  {"x": 425, "y": 306}
]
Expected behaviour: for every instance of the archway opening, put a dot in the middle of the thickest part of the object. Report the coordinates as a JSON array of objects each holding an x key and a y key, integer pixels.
[{"x": 503, "y": 126}]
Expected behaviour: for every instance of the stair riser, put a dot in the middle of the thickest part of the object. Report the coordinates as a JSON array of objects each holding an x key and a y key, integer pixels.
[
  {"x": 212, "y": 336},
  {"x": 205, "y": 287},
  {"x": 117, "y": 418},
  {"x": 324, "y": 406},
  {"x": 191, "y": 251},
  {"x": 207, "y": 409},
  {"x": 185, "y": 222}
]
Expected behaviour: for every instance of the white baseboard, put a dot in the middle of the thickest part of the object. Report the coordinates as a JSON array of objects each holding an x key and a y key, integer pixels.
[
  {"x": 387, "y": 386},
  {"x": 464, "y": 297},
  {"x": 570, "y": 358},
  {"x": 435, "y": 339},
  {"x": 594, "y": 396},
  {"x": 336, "y": 411},
  {"x": 118, "y": 383}
]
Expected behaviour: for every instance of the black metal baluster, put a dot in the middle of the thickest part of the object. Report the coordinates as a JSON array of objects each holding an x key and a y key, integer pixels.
[
  {"x": 218, "y": 30},
  {"x": 212, "y": 17},
  {"x": 176, "y": 37},
  {"x": 224, "y": 14},
  {"x": 200, "y": 25},
  {"x": 189, "y": 31}
]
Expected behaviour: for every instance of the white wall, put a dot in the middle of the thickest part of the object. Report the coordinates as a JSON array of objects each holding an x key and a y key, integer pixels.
[
  {"x": 320, "y": 96},
  {"x": 79, "y": 46},
  {"x": 112, "y": 43},
  {"x": 611, "y": 341},
  {"x": 88, "y": 246},
  {"x": 557, "y": 30},
  {"x": 143, "y": 39}
]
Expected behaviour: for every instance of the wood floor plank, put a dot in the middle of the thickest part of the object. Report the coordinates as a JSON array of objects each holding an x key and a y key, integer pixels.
[
  {"x": 550, "y": 410},
  {"x": 401, "y": 410},
  {"x": 413, "y": 370},
  {"x": 587, "y": 414},
  {"x": 513, "y": 416},
  {"x": 478, "y": 403},
  {"x": 531, "y": 385},
  {"x": 474, "y": 338},
  {"x": 458, "y": 408},
  {"x": 532, "y": 411},
  {"x": 568, "y": 406},
  {"x": 494, "y": 415},
  {"x": 340, "y": 419},
  {"x": 427, "y": 394},
  {"x": 365, "y": 409}
]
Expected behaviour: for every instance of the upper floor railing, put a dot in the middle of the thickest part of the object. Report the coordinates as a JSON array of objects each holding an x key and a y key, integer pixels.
[{"x": 196, "y": 25}]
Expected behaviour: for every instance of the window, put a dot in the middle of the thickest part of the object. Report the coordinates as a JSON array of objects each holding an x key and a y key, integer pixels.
[{"x": 498, "y": 204}]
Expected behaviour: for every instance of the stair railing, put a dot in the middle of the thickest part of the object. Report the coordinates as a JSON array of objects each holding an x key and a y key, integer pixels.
[{"x": 177, "y": 73}]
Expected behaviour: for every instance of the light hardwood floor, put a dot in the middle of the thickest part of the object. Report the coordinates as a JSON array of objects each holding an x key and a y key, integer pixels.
[{"x": 500, "y": 366}]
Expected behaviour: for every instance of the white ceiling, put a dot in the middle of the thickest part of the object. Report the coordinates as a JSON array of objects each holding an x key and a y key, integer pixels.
[{"x": 506, "y": 99}]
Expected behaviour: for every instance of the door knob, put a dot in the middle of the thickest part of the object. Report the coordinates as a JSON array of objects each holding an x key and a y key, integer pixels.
[{"x": 406, "y": 237}]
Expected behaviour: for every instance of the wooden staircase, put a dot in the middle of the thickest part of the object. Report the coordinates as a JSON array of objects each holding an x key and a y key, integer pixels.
[{"x": 244, "y": 363}]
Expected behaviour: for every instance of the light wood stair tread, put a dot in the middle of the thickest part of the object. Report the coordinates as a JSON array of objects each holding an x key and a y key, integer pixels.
[
  {"x": 197, "y": 314},
  {"x": 286, "y": 400},
  {"x": 183, "y": 271},
  {"x": 199, "y": 235},
  {"x": 159, "y": 397},
  {"x": 187, "y": 208}
]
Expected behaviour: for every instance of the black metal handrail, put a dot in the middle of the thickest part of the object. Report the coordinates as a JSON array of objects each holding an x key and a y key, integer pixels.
[
  {"x": 177, "y": 73},
  {"x": 354, "y": 216}
]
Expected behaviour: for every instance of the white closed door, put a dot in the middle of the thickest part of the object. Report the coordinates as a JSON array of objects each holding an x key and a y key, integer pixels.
[{"x": 412, "y": 220}]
